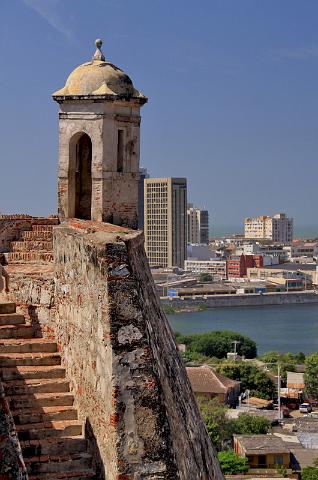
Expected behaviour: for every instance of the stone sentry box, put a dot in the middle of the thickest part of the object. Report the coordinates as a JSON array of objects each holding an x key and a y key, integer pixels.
[{"x": 99, "y": 144}]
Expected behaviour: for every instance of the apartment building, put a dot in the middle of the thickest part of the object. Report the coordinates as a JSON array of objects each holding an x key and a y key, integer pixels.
[
  {"x": 197, "y": 225},
  {"x": 143, "y": 173},
  {"x": 165, "y": 201},
  {"x": 278, "y": 228}
]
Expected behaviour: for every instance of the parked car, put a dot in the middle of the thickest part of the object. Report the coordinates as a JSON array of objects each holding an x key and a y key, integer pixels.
[{"x": 305, "y": 408}]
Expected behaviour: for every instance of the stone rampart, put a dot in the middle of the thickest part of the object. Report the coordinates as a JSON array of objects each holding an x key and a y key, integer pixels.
[{"x": 130, "y": 383}]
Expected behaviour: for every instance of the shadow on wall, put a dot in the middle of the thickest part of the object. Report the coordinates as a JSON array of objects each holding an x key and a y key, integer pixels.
[{"x": 93, "y": 449}]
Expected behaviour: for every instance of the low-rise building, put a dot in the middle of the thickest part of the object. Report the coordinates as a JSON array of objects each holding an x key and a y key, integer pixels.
[
  {"x": 262, "y": 451},
  {"x": 307, "y": 272},
  {"x": 216, "y": 268},
  {"x": 204, "y": 290},
  {"x": 295, "y": 384},
  {"x": 237, "y": 265},
  {"x": 207, "y": 384},
  {"x": 302, "y": 249}
]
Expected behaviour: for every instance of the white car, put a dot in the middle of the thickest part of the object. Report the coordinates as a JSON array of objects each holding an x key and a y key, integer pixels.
[{"x": 305, "y": 408}]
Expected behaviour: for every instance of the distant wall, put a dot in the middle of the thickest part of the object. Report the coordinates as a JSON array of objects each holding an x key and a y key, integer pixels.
[
  {"x": 243, "y": 300},
  {"x": 130, "y": 383}
]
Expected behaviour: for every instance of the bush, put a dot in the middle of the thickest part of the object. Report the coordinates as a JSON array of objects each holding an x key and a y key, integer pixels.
[
  {"x": 169, "y": 310},
  {"x": 309, "y": 473},
  {"x": 219, "y": 343},
  {"x": 205, "y": 277},
  {"x": 231, "y": 463},
  {"x": 247, "y": 424}
]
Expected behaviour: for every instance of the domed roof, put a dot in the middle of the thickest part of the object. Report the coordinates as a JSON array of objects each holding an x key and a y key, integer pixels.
[{"x": 99, "y": 78}]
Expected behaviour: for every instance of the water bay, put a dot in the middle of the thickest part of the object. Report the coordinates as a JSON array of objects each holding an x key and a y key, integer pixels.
[{"x": 288, "y": 328}]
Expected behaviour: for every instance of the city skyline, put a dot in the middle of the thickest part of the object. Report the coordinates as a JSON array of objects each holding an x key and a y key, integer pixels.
[{"x": 232, "y": 98}]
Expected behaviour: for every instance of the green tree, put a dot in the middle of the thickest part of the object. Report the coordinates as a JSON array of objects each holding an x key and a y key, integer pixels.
[
  {"x": 287, "y": 362},
  {"x": 219, "y": 427},
  {"x": 205, "y": 277},
  {"x": 247, "y": 424},
  {"x": 218, "y": 343},
  {"x": 251, "y": 377},
  {"x": 231, "y": 463},
  {"x": 311, "y": 374}
]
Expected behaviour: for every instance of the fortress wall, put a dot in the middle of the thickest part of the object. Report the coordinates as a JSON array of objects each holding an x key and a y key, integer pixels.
[{"x": 130, "y": 384}]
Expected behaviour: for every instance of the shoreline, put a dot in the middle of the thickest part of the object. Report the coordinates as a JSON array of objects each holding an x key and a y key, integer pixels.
[{"x": 189, "y": 305}]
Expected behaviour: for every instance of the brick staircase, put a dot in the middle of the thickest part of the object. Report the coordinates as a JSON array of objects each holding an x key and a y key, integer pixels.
[
  {"x": 50, "y": 434},
  {"x": 35, "y": 245}
]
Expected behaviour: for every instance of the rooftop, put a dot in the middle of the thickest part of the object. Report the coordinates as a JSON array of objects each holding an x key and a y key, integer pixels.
[
  {"x": 292, "y": 266},
  {"x": 99, "y": 78},
  {"x": 205, "y": 380},
  {"x": 261, "y": 444}
]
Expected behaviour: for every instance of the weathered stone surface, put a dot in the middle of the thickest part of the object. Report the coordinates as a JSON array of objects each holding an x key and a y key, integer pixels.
[{"x": 129, "y": 381}]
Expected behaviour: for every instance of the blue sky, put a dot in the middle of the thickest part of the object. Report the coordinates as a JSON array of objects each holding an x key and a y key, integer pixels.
[{"x": 232, "y": 87}]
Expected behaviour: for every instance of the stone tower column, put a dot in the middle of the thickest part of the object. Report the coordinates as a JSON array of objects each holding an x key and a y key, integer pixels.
[{"x": 99, "y": 138}]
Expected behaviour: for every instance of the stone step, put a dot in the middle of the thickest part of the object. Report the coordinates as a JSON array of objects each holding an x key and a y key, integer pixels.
[
  {"x": 16, "y": 331},
  {"x": 7, "y": 307},
  {"x": 53, "y": 446},
  {"x": 34, "y": 359},
  {"x": 28, "y": 372},
  {"x": 42, "y": 228},
  {"x": 31, "y": 245},
  {"x": 37, "y": 400},
  {"x": 37, "y": 236},
  {"x": 44, "y": 415},
  {"x": 75, "y": 475},
  {"x": 33, "y": 256},
  {"x": 24, "y": 387},
  {"x": 63, "y": 428},
  {"x": 11, "y": 319},
  {"x": 27, "y": 345},
  {"x": 58, "y": 463}
]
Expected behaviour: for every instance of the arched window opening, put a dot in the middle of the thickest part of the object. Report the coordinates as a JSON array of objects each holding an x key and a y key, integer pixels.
[{"x": 83, "y": 178}]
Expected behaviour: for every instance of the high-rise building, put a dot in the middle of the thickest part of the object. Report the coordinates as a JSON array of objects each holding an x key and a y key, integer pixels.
[
  {"x": 278, "y": 228},
  {"x": 165, "y": 221},
  {"x": 143, "y": 173},
  {"x": 197, "y": 225}
]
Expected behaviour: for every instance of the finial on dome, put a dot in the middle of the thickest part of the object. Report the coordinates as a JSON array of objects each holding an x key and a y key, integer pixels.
[{"x": 98, "y": 55}]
